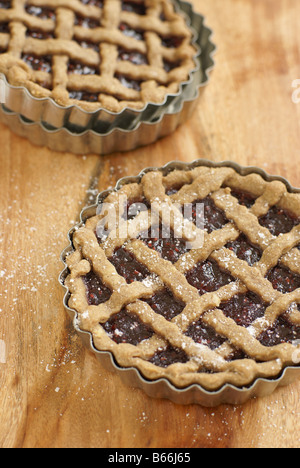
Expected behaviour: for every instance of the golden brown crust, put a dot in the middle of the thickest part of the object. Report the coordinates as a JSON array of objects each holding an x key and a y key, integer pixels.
[
  {"x": 262, "y": 361},
  {"x": 156, "y": 82}
]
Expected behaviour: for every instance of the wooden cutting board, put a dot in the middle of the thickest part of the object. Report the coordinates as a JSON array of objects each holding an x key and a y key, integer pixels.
[{"x": 53, "y": 392}]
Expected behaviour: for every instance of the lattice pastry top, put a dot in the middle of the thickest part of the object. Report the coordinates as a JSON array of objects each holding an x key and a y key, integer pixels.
[
  {"x": 225, "y": 310},
  {"x": 96, "y": 54}
]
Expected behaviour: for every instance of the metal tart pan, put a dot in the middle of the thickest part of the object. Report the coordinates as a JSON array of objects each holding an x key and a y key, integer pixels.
[
  {"x": 162, "y": 388},
  {"x": 71, "y": 129}
]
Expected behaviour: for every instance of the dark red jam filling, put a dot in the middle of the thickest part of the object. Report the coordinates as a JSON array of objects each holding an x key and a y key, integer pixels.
[
  {"x": 127, "y": 328},
  {"x": 165, "y": 304},
  {"x": 40, "y": 12},
  {"x": 168, "y": 356},
  {"x": 169, "y": 66},
  {"x": 244, "y": 250},
  {"x": 4, "y": 28},
  {"x": 134, "y": 207},
  {"x": 236, "y": 355},
  {"x": 128, "y": 82},
  {"x": 37, "y": 34},
  {"x": 38, "y": 63},
  {"x": 283, "y": 279},
  {"x": 90, "y": 23},
  {"x": 5, "y": 4},
  {"x": 244, "y": 309},
  {"x": 80, "y": 69},
  {"x": 282, "y": 331},
  {"x": 138, "y": 8},
  {"x": 97, "y": 292},
  {"x": 172, "y": 42},
  {"x": 279, "y": 221},
  {"x": 204, "y": 334},
  {"x": 89, "y": 45},
  {"x": 128, "y": 266},
  {"x": 214, "y": 218},
  {"x": 97, "y": 3},
  {"x": 134, "y": 57},
  {"x": 208, "y": 277},
  {"x": 244, "y": 198},
  {"x": 163, "y": 241}
]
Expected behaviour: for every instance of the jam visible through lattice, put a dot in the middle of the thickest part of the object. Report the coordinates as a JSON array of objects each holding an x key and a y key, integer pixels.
[
  {"x": 234, "y": 299},
  {"x": 116, "y": 55}
]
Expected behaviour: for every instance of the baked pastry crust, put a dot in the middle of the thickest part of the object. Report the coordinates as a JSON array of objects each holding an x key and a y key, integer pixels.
[
  {"x": 243, "y": 354},
  {"x": 100, "y": 36}
]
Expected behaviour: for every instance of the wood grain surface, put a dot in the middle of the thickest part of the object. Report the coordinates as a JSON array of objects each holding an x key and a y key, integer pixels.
[{"x": 53, "y": 392}]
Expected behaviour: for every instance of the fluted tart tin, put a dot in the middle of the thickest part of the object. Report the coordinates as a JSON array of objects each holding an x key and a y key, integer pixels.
[
  {"x": 227, "y": 393},
  {"x": 73, "y": 129}
]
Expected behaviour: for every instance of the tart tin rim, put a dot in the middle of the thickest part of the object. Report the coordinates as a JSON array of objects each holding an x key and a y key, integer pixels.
[
  {"x": 163, "y": 388},
  {"x": 149, "y": 107}
]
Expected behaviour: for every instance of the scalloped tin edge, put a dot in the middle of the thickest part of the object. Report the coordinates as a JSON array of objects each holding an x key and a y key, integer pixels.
[
  {"x": 62, "y": 140},
  {"x": 164, "y": 122},
  {"x": 162, "y": 388}
]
